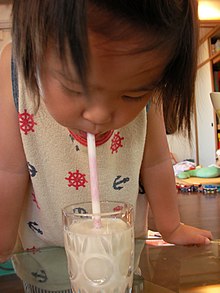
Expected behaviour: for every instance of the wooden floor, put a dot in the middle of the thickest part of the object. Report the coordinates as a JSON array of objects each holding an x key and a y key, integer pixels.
[{"x": 197, "y": 209}]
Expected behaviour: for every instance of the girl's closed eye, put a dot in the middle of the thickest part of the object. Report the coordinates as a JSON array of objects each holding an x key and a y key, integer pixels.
[
  {"x": 70, "y": 91},
  {"x": 137, "y": 98},
  {"x": 133, "y": 99}
]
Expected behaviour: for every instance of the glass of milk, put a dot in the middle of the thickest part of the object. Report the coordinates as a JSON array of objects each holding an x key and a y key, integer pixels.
[{"x": 100, "y": 260}]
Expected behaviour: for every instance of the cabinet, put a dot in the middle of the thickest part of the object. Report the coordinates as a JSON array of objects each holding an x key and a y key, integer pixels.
[
  {"x": 214, "y": 51},
  {"x": 214, "y": 42}
]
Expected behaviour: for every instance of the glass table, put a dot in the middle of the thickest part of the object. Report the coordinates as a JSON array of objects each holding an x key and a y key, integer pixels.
[
  {"x": 47, "y": 269},
  {"x": 183, "y": 269},
  {"x": 165, "y": 269}
]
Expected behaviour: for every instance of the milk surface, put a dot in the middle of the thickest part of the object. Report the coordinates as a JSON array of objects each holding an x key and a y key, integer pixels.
[{"x": 100, "y": 260}]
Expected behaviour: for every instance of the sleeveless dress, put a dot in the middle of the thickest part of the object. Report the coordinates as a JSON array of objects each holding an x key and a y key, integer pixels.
[{"x": 58, "y": 165}]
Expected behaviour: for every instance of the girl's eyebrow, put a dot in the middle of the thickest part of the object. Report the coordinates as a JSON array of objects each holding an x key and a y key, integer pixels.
[{"x": 145, "y": 87}]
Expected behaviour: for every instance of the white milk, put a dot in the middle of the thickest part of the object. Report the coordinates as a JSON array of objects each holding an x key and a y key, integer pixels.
[{"x": 100, "y": 260}]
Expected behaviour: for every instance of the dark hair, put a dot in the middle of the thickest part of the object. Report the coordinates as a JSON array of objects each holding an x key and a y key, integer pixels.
[{"x": 174, "y": 23}]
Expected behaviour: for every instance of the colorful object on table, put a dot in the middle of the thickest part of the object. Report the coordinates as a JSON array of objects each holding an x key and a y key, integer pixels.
[
  {"x": 205, "y": 172},
  {"x": 6, "y": 268},
  {"x": 211, "y": 189},
  {"x": 154, "y": 238},
  {"x": 188, "y": 188},
  {"x": 218, "y": 153},
  {"x": 183, "y": 166},
  {"x": 206, "y": 189}
]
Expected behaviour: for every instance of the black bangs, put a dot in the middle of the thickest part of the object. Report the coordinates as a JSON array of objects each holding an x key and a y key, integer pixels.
[
  {"x": 72, "y": 32},
  {"x": 37, "y": 22}
]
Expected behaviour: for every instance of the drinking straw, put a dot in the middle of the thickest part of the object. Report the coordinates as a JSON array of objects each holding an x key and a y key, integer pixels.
[{"x": 94, "y": 179}]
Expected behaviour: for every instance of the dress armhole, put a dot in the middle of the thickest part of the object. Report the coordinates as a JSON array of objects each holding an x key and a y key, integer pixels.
[
  {"x": 14, "y": 79},
  {"x": 148, "y": 106}
]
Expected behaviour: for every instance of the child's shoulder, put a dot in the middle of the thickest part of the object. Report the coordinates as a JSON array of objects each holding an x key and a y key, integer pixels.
[
  {"x": 5, "y": 53},
  {"x": 5, "y": 78},
  {"x": 5, "y": 65}
]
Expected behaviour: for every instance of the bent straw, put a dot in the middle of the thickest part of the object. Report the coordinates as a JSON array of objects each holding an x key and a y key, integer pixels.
[{"x": 94, "y": 179}]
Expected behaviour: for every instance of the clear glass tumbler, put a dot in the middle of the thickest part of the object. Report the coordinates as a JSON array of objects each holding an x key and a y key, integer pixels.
[{"x": 100, "y": 260}]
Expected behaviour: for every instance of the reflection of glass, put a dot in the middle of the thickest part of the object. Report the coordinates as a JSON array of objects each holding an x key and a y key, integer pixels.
[
  {"x": 99, "y": 259},
  {"x": 42, "y": 270}
]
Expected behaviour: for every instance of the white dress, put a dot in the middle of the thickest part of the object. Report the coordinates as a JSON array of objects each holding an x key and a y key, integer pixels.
[{"x": 59, "y": 171}]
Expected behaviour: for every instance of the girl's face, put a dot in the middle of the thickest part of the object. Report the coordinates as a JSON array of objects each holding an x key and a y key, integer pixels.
[{"x": 120, "y": 84}]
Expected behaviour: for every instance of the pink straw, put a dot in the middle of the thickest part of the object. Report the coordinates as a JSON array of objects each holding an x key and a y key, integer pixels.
[{"x": 94, "y": 179}]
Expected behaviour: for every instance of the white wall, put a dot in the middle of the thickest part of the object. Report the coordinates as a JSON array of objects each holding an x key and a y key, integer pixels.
[
  {"x": 181, "y": 147},
  {"x": 206, "y": 118}
]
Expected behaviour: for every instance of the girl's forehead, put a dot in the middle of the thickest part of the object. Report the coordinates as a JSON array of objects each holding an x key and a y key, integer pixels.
[
  {"x": 114, "y": 64},
  {"x": 141, "y": 45},
  {"x": 131, "y": 60},
  {"x": 135, "y": 49},
  {"x": 126, "y": 42},
  {"x": 140, "y": 52}
]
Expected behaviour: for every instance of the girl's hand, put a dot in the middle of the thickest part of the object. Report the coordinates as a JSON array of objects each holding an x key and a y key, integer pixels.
[{"x": 188, "y": 235}]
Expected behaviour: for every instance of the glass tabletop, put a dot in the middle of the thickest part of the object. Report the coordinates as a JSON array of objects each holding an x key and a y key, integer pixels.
[
  {"x": 183, "y": 269},
  {"x": 165, "y": 269}
]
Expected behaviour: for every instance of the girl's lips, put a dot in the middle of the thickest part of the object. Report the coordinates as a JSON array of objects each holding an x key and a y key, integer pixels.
[{"x": 84, "y": 134}]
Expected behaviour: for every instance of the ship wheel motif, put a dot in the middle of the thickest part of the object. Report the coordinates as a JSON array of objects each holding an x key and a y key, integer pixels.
[
  {"x": 76, "y": 179},
  {"x": 26, "y": 121},
  {"x": 116, "y": 142}
]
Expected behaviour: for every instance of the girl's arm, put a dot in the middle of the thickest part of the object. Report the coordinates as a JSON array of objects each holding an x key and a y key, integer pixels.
[
  {"x": 14, "y": 175},
  {"x": 159, "y": 183}
]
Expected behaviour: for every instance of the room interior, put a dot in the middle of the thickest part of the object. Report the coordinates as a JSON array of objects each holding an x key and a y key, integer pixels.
[
  {"x": 204, "y": 122},
  {"x": 194, "y": 267}
]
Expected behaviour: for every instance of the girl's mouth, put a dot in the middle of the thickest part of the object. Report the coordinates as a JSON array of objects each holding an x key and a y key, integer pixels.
[{"x": 84, "y": 134}]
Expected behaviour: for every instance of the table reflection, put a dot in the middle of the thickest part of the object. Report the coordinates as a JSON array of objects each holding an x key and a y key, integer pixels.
[
  {"x": 183, "y": 268},
  {"x": 165, "y": 269}
]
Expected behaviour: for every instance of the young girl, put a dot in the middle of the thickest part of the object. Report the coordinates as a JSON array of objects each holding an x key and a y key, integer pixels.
[{"x": 93, "y": 66}]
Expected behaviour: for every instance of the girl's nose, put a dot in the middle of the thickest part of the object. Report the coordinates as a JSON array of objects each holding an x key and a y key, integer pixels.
[{"x": 97, "y": 114}]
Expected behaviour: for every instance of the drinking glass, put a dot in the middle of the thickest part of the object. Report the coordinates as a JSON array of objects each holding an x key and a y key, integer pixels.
[{"x": 100, "y": 260}]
